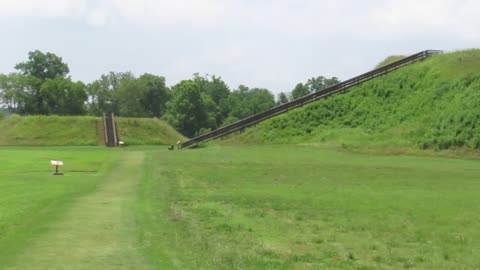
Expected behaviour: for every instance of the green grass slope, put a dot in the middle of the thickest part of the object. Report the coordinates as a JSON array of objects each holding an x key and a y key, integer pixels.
[
  {"x": 81, "y": 131},
  {"x": 390, "y": 60},
  {"x": 432, "y": 104},
  {"x": 48, "y": 130},
  {"x": 146, "y": 131}
]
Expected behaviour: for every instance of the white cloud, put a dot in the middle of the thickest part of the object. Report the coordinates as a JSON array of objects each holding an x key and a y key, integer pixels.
[
  {"x": 454, "y": 18},
  {"x": 43, "y": 8},
  {"x": 193, "y": 12},
  {"x": 97, "y": 18},
  {"x": 466, "y": 20},
  {"x": 307, "y": 18}
]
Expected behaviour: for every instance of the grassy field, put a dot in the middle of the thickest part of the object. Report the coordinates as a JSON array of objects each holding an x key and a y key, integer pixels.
[
  {"x": 257, "y": 208},
  {"x": 264, "y": 207},
  {"x": 31, "y": 199}
]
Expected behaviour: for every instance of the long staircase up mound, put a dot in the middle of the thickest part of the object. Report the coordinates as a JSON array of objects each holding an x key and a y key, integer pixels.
[
  {"x": 283, "y": 108},
  {"x": 111, "y": 132}
]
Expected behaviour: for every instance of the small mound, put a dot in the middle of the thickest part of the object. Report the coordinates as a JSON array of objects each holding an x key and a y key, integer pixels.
[
  {"x": 48, "y": 130},
  {"x": 81, "y": 131},
  {"x": 147, "y": 131}
]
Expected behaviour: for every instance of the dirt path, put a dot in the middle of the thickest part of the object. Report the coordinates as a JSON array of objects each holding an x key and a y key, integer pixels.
[{"x": 98, "y": 232}]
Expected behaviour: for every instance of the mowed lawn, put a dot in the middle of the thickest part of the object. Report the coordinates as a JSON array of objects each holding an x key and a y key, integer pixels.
[
  {"x": 292, "y": 207},
  {"x": 266, "y": 207},
  {"x": 32, "y": 199}
]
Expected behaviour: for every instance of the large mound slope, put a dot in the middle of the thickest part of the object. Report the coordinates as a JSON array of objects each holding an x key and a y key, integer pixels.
[
  {"x": 431, "y": 104},
  {"x": 73, "y": 130}
]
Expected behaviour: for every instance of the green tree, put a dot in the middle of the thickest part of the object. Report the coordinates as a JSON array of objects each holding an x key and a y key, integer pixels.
[
  {"x": 186, "y": 110},
  {"x": 214, "y": 86},
  {"x": 238, "y": 103},
  {"x": 217, "y": 91},
  {"x": 300, "y": 91},
  {"x": 245, "y": 102},
  {"x": 10, "y": 92},
  {"x": 19, "y": 93},
  {"x": 103, "y": 92},
  {"x": 43, "y": 66},
  {"x": 260, "y": 100},
  {"x": 62, "y": 96},
  {"x": 282, "y": 98},
  {"x": 320, "y": 83},
  {"x": 130, "y": 99},
  {"x": 211, "y": 109},
  {"x": 26, "y": 85},
  {"x": 143, "y": 97},
  {"x": 156, "y": 96}
]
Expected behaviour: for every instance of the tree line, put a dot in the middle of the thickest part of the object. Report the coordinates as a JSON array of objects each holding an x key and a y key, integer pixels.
[{"x": 41, "y": 85}]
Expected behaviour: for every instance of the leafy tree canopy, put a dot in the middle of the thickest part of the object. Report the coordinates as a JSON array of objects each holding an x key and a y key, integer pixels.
[
  {"x": 299, "y": 91},
  {"x": 62, "y": 96},
  {"x": 102, "y": 92},
  {"x": 43, "y": 66},
  {"x": 186, "y": 111}
]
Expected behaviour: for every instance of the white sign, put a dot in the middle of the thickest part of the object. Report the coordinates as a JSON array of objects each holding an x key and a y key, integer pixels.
[{"x": 56, "y": 163}]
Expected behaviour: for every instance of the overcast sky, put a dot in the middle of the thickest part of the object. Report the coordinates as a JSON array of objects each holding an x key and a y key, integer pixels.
[{"x": 264, "y": 43}]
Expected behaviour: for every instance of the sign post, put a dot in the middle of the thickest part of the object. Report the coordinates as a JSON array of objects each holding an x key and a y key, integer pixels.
[{"x": 56, "y": 163}]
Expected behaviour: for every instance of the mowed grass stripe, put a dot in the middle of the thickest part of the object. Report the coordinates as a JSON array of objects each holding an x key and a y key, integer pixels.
[
  {"x": 31, "y": 198},
  {"x": 97, "y": 233}
]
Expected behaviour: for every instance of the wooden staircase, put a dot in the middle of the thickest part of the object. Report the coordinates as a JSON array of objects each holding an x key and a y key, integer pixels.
[{"x": 110, "y": 130}]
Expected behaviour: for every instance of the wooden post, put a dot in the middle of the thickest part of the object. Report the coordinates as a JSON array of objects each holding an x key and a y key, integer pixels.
[
  {"x": 105, "y": 128},
  {"x": 114, "y": 127}
]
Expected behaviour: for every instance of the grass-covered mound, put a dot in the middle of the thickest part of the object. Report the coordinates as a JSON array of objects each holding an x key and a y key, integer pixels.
[
  {"x": 81, "y": 130},
  {"x": 146, "y": 131},
  {"x": 431, "y": 104},
  {"x": 48, "y": 130}
]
